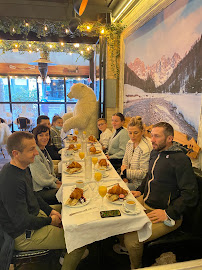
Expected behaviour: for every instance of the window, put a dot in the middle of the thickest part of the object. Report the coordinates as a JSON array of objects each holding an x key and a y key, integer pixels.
[
  {"x": 4, "y": 92},
  {"x": 25, "y": 97},
  {"x": 23, "y": 89}
]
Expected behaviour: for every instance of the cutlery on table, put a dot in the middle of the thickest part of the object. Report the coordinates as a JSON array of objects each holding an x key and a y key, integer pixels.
[{"x": 78, "y": 212}]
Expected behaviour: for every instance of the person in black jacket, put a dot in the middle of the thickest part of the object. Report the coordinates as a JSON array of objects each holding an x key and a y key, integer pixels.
[
  {"x": 169, "y": 189},
  {"x": 30, "y": 221}
]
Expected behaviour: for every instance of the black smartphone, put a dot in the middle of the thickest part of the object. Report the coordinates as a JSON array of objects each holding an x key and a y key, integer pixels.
[
  {"x": 110, "y": 213},
  {"x": 28, "y": 234}
]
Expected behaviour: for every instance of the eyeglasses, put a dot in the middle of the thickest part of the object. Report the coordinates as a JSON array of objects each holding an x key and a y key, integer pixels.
[{"x": 101, "y": 124}]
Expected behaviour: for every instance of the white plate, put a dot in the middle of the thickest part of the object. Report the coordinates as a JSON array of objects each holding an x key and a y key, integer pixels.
[
  {"x": 118, "y": 202},
  {"x": 107, "y": 169},
  {"x": 69, "y": 155},
  {"x": 128, "y": 212},
  {"x": 74, "y": 172},
  {"x": 99, "y": 154},
  {"x": 79, "y": 204},
  {"x": 105, "y": 175}
]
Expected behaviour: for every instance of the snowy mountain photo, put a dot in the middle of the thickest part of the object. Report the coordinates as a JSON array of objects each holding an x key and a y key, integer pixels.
[{"x": 163, "y": 68}]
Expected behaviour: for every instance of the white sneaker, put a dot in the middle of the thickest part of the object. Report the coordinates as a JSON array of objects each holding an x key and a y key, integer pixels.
[
  {"x": 120, "y": 250},
  {"x": 86, "y": 253}
]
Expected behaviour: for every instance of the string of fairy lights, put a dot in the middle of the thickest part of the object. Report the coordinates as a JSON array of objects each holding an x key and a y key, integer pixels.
[
  {"x": 43, "y": 28},
  {"x": 84, "y": 50}
]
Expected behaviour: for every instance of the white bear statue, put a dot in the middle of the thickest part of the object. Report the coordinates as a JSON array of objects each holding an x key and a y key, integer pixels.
[{"x": 84, "y": 116}]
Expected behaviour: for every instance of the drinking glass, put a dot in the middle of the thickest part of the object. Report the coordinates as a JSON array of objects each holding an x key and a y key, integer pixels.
[
  {"x": 81, "y": 155},
  {"x": 98, "y": 176},
  {"x": 102, "y": 191},
  {"x": 94, "y": 160},
  {"x": 78, "y": 146}
]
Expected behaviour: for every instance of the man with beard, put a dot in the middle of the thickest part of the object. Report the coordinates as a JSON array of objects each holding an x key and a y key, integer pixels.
[{"x": 169, "y": 190}]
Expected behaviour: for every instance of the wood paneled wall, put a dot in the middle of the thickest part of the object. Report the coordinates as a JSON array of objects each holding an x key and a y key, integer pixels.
[{"x": 58, "y": 70}]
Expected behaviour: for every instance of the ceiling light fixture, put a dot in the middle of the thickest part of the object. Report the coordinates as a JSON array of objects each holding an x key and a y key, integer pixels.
[{"x": 79, "y": 6}]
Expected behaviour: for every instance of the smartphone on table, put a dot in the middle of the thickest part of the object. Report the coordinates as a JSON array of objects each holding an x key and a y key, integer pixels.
[{"x": 110, "y": 213}]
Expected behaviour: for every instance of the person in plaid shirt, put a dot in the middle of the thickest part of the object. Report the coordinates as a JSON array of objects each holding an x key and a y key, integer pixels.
[{"x": 55, "y": 132}]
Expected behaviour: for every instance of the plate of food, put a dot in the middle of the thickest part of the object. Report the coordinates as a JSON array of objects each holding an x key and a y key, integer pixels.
[
  {"x": 73, "y": 167},
  {"x": 72, "y": 147},
  {"x": 92, "y": 139},
  {"x": 116, "y": 194},
  {"x": 76, "y": 199},
  {"x": 72, "y": 139},
  {"x": 103, "y": 164},
  {"x": 94, "y": 151}
]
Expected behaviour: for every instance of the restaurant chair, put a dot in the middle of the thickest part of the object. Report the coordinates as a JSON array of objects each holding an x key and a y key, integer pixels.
[
  {"x": 23, "y": 123},
  {"x": 185, "y": 242},
  {"x": 21, "y": 258}
]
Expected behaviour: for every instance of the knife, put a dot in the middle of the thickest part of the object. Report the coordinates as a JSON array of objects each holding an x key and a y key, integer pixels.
[{"x": 78, "y": 212}]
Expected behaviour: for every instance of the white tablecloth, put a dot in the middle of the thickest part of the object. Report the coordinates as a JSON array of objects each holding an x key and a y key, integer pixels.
[{"x": 87, "y": 227}]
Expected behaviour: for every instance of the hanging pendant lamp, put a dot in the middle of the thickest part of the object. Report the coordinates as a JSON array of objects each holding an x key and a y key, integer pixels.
[{"x": 79, "y": 6}]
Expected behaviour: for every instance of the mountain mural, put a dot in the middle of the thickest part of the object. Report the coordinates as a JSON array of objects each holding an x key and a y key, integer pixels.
[
  {"x": 174, "y": 75},
  {"x": 159, "y": 71}
]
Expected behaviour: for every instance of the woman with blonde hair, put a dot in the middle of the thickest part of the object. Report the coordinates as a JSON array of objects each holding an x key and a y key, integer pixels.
[{"x": 135, "y": 163}]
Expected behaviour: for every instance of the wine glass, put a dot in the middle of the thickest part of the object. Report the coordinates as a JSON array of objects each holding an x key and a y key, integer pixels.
[
  {"x": 81, "y": 155},
  {"x": 94, "y": 160},
  {"x": 102, "y": 191}
]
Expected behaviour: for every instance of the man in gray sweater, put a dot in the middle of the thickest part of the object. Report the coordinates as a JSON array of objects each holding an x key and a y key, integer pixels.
[{"x": 30, "y": 221}]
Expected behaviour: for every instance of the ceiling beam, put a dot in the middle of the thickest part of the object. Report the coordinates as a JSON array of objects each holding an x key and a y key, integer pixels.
[{"x": 51, "y": 38}]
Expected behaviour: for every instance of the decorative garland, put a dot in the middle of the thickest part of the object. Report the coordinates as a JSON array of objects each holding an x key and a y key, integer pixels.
[
  {"x": 83, "y": 50},
  {"x": 45, "y": 28}
]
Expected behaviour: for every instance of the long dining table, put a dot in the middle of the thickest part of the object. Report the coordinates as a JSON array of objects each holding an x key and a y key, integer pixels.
[{"x": 82, "y": 223}]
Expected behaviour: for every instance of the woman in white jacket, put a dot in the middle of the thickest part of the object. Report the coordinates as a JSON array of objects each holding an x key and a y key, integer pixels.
[
  {"x": 42, "y": 170},
  {"x": 135, "y": 163}
]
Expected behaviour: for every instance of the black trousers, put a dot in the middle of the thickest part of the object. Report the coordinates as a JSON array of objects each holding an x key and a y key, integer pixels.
[{"x": 116, "y": 163}]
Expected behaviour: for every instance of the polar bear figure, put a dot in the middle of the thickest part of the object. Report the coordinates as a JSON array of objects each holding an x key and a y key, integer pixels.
[{"x": 84, "y": 116}]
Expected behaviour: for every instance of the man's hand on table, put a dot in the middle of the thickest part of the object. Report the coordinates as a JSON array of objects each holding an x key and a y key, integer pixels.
[
  {"x": 136, "y": 193},
  {"x": 157, "y": 215}
]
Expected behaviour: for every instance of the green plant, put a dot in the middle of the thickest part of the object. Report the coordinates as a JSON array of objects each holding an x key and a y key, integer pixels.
[{"x": 44, "y": 28}]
